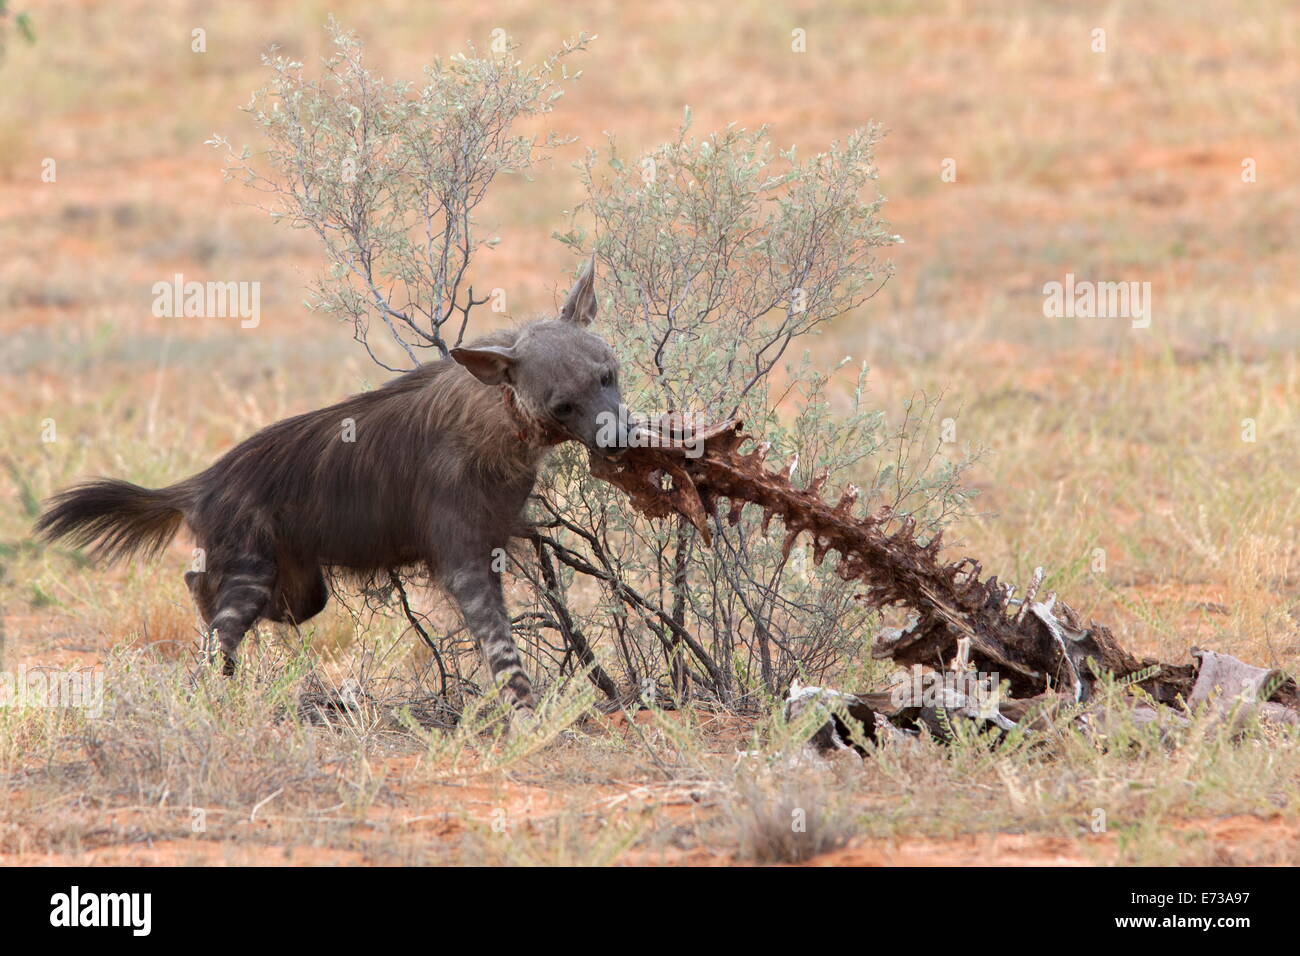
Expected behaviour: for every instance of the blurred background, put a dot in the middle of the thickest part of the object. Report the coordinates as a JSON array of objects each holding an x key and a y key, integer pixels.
[{"x": 1169, "y": 157}]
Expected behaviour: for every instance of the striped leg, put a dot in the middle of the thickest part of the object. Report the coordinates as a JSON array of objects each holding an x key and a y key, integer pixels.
[
  {"x": 478, "y": 592},
  {"x": 242, "y": 597}
]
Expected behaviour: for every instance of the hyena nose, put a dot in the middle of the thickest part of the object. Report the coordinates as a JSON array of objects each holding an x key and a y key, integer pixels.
[
  {"x": 614, "y": 446},
  {"x": 612, "y": 433}
]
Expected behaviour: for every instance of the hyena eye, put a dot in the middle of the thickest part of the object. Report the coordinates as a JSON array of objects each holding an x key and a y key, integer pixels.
[
  {"x": 562, "y": 410},
  {"x": 607, "y": 380}
]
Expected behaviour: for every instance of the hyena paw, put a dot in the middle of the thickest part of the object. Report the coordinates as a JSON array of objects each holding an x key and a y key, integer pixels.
[
  {"x": 517, "y": 691},
  {"x": 523, "y": 720}
]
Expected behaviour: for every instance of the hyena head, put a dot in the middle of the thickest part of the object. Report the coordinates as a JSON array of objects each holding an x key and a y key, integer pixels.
[{"x": 560, "y": 373}]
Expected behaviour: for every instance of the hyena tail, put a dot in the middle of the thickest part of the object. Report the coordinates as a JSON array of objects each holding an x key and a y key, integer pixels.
[{"x": 116, "y": 517}]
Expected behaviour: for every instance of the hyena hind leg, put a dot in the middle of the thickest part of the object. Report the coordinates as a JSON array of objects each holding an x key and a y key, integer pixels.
[{"x": 242, "y": 596}]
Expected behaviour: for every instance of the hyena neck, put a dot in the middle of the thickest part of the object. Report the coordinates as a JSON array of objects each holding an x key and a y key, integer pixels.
[{"x": 531, "y": 430}]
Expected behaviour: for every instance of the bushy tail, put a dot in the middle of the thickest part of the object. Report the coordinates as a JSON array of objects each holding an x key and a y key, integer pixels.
[{"x": 116, "y": 517}]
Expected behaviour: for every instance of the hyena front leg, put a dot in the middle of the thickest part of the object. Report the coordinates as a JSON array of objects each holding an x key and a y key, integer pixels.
[
  {"x": 243, "y": 594},
  {"x": 477, "y": 589}
]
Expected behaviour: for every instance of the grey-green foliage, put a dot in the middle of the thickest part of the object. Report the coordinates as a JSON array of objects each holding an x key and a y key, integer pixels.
[
  {"x": 716, "y": 256},
  {"x": 720, "y": 253},
  {"x": 389, "y": 176}
]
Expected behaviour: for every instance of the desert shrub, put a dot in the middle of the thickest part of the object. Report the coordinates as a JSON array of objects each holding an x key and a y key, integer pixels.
[
  {"x": 720, "y": 255},
  {"x": 389, "y": 175}
]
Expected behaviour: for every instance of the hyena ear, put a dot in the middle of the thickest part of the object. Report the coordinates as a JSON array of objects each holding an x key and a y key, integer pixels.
[
  {"x": 580, "y": 306},
  {"x": 490, "y": 364}
]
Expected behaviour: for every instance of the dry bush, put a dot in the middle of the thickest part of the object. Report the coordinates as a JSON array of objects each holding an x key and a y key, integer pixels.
[{"x": 790, "y": 817}]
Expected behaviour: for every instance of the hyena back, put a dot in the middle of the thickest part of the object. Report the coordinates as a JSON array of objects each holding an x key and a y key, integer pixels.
[{"x": 432, "y": 469}]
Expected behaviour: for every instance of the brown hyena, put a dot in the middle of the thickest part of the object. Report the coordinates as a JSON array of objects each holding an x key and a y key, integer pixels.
[{"x": 432, "y": 469}]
